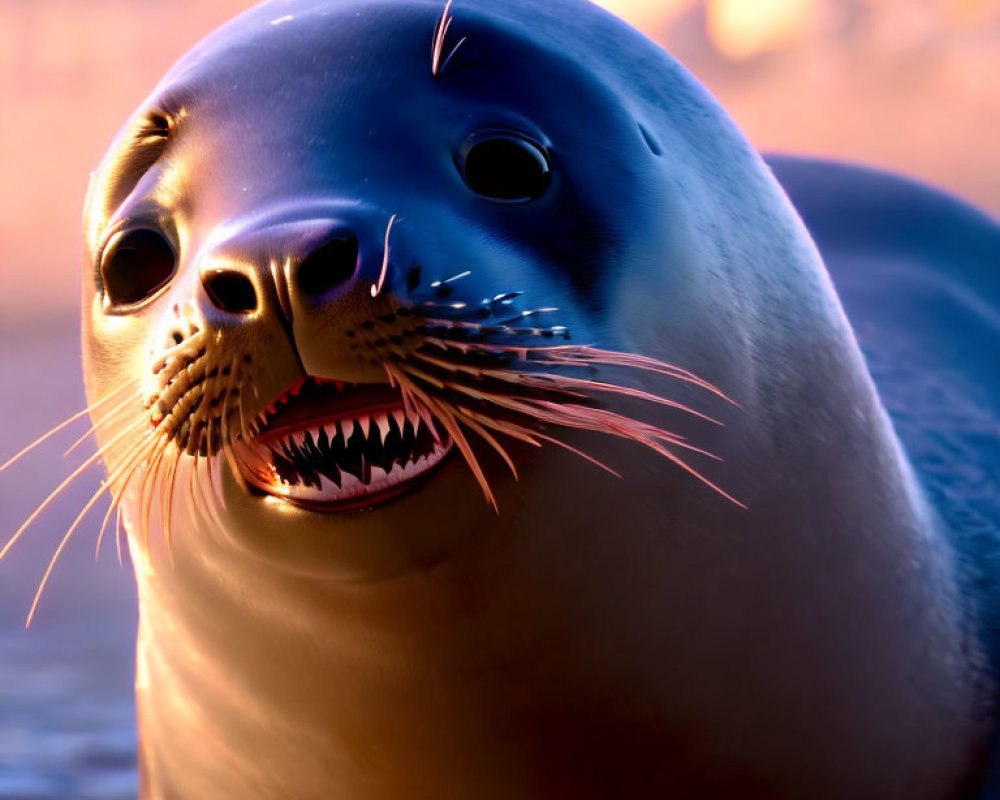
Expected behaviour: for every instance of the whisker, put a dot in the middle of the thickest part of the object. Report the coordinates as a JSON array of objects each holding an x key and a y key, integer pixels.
[
  {"x": 454, "y": 430},
  {"x": 183, "y": 348},
  {"x": 241, "y": 394},
  {"x": 559, "y": 383},
  {"x": 440, "y": 32},
  {"x": 102, "y": 421},
  {"x": 166, "y": 502},
  {"x": 377, "y": 288},
  {"x": 581, "y": 417},
  {"x": 206, "y": 511},
  {"x": 104, "y": 524},
  {"x": 213, "y": 508},
  {"x": 579, "y": 452},
  {"x": 611, "y": 358},
  {"x": 451, "y": 55},
  {"x": 691, "y": 470},
  {"x": 105, "y": 485},
  {"x": 130, "y": 465},
  {"x": 228, "y": 449},
  {"x": 505, "y": 427},
  {"x": 207, "y": 436},
  {"x": 149, "y": 486},
  {"x": 189, "y": 497},
  {"x": 573, "y": 355},
  {"x": 226, "y": 438},
  {"x": 130, "y": 430},
  {"x": 118, "y": 536},
  {"x": 63, "y": 425},
  {"x": 196, "y": 491},
  {"x": 490, "y": 439},
  {"x": 411, "y": 402}
]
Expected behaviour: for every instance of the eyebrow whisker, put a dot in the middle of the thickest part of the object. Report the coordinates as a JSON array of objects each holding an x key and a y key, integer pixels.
[
  {"x": 440, "y": 33},
  {"x": 447, "y": 60}
]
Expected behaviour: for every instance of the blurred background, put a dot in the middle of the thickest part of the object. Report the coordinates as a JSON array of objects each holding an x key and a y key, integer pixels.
[{"x": 910, "y": 85}]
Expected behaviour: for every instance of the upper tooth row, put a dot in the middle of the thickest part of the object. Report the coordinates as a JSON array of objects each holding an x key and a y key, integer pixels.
[{"x": 365, "y": 423}]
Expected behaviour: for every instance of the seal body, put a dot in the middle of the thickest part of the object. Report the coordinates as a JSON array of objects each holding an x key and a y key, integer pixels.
[{"x": 373, "y": 275}]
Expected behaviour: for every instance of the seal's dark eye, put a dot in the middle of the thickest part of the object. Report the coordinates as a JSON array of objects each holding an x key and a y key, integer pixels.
[
  {"x": 505, "y": 167},
  {"x": 136, "y": 264}
]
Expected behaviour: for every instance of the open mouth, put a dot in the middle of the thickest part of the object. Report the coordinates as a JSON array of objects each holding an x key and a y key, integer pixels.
[{"x": 332, "y": 446}]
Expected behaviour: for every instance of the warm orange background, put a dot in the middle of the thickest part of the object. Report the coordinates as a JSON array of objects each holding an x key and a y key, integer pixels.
[{"x": 907, "y": 84}]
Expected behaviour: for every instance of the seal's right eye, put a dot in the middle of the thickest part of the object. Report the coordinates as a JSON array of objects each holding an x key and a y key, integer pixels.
[
  {"x": 505, "y": 167},
  {"x": 135, "y": 265}
]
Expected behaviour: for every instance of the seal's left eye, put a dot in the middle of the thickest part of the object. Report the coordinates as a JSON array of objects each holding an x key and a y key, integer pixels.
[
  {"x": 135, "y": 265},
  {"x": 506, "y": 167}
]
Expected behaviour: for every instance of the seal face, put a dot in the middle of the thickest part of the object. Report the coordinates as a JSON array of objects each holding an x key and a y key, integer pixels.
[
  {"x": 355, "y": 267},
  {"x": 379, "y": 323}
]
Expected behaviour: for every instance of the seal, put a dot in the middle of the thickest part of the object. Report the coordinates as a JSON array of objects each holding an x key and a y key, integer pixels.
[{"x": 375, "y": 299}]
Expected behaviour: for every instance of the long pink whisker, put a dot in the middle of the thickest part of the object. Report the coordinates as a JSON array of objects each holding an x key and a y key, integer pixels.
[
  {"x": 130, "y": 430},
  {"x": 118, "y": 536},
  {"x": 530, "y": 436},
  {"x": 564, "y": 384},
  {"x": 576, "y": 355},
  {"x": 167, "y": 501},
  {"x": 132, "y": 463},
  {"x": 104, "y": 524},
  {"x": 489, "y": 439},
  {"x": 568, "y": 413},
  {"x": 208, "y": 510},
  {"x": 196, "y": 510},
  {"x": 104, "y": 420},
  {"x": 505, "y": 427},
  {"x": 451, "y": 425},
  {"x": 579, "y": 452},
  {"x": 691, "y": 470},
  {"x": 598, "y": 420},
  {"x": 150, "y": 485},
  {"x": 105, "y": 485},
  {"x": 63, "y": 425}
]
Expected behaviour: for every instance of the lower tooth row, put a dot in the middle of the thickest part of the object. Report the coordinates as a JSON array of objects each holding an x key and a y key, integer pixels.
[{"x": 351, "y": 486}]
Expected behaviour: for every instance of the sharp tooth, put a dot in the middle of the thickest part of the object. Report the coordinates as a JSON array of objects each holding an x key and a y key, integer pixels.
[
  {"x": 382, "y": 421},
  {"x": 400, "y": 416},
  {"x": 348, "y": 426},
  {"x": 378, "y": 475},
  {"x": 428, "y": 420},
  {"x": 366, "y": 425}
]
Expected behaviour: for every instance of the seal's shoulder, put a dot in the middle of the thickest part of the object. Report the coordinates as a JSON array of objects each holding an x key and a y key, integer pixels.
[
  {"x": 918, "y": 272},
  {"x": 851, "y": 208}
]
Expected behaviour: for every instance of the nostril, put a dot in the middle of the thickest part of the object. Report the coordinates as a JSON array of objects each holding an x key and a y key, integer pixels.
[
  {"x": 329, "y": 266},
  {"x": 231, "y": 291}
]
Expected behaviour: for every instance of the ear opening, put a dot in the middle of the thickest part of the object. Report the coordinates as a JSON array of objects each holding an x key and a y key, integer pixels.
[{"x": 651, "y": 141}]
